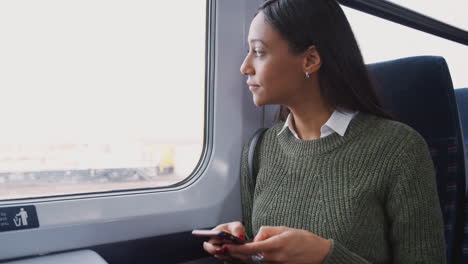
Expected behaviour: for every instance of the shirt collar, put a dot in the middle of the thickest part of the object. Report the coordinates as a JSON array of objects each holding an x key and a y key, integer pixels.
[
  {"x": 288, "y": 124},
  {"x": 338, "y": 122}
]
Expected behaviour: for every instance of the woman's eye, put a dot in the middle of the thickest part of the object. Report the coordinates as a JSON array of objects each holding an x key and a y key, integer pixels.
[{"x": 258, "y": 53}]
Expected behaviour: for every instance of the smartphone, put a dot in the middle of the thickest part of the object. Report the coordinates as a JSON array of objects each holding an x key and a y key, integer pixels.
[{"x": 219, "y": 234}]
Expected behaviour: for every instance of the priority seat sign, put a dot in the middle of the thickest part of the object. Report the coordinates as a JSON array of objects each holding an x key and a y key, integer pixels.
[{"x": 18, "y": 218}]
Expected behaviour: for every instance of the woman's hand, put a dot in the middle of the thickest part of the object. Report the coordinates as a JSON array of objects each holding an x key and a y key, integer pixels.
[
  {"x": 280, "y": 244},
  {"x": 217, "y": 247}
]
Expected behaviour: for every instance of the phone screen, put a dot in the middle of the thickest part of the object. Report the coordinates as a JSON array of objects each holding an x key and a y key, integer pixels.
[{"x": 218, "y": 234}]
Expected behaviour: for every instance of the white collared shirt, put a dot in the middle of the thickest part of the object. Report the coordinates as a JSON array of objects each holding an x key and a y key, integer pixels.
[{"x": 338, "y": 122}]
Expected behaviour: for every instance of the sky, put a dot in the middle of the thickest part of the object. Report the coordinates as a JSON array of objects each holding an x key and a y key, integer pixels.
[{"x": 101, "y": 71}]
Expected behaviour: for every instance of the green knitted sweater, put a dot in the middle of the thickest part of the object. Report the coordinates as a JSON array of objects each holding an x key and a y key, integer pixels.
[{"x": 371, "y": 192}]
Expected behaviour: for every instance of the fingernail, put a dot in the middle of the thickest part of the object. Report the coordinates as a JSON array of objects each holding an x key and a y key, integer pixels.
[
  {"x": 225, "y": 249},
  {"x": 241, "y": 236},
  {"x": 218, "y": 251}
]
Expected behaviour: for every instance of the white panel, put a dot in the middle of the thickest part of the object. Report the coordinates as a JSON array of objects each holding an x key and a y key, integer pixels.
[
  {"x": 76, "y": 257},
  {"x": 377, "y": 47},
  {"x": 452, "y": 12},
  {"x": 209, "y": 198}
]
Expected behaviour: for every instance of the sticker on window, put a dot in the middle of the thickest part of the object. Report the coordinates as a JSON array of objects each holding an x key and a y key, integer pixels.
[{"x": 18, "y": 218}]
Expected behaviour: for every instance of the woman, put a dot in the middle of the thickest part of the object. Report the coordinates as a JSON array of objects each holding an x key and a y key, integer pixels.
[{"x": 338, "y": 181}]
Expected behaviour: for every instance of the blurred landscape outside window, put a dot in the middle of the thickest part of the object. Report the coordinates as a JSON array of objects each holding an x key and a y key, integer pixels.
[{"x": 100, "y": 95}]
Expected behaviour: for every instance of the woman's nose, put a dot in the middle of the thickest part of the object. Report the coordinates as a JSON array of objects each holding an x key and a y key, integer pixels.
[{"x": 246, "y": 68}]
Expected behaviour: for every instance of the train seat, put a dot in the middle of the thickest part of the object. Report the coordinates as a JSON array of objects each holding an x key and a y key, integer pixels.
[{"x": 418, "y": 91}]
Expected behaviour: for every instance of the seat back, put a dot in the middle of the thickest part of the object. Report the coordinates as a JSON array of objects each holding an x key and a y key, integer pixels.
[
  {"x": 462, "y": 102},
  {"x": 418, "y": 91}
]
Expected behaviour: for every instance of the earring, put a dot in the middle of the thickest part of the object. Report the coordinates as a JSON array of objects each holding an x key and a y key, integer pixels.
[{"x": 307, "y": 75}]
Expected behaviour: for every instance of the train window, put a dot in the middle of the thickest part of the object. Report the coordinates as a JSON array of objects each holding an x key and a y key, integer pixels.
[
  {"x": 100, "y": 95},
  {"x": 452, "y": 12},
  {"x": 382, "y": 40}
]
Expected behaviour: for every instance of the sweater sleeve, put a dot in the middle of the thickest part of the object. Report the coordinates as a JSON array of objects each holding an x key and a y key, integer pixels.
[
  {"x": 415, "y": 220},
  {"x": 416, "y": 225},
  {"x": 247, "y": 192}
]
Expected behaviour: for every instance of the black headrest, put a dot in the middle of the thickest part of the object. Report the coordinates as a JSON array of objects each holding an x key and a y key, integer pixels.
[{"x": 418, "y": 91}]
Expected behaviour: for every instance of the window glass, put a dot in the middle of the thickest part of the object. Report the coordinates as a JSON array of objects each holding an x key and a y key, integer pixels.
[
  {"x": 452, "y": 12},
  {"x": 382, "y": 40},
  {"x": 99, "y": 95}
]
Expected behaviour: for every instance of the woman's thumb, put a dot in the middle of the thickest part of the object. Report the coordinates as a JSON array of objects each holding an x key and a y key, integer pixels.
[{"x": 266, "y": 232}]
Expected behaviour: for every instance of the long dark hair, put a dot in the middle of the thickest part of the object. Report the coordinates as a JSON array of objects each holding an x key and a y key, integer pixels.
[{"x": 343, "y": 77}]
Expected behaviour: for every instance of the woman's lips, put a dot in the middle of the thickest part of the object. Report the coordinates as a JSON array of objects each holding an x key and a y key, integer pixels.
[{"x": 253, "y": 87}]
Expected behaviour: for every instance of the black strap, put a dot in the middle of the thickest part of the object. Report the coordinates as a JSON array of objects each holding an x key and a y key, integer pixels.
[{"x": 253, "y": 144}]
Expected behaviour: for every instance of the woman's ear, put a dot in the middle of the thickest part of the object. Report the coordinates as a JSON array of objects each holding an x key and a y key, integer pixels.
[{"x": 312, "y": 60}]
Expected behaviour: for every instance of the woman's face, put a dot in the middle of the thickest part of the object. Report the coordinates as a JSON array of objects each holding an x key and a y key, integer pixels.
[{"x": 275, "y": 75}]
